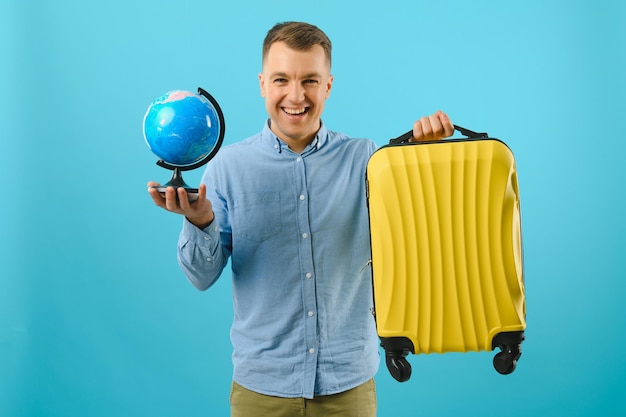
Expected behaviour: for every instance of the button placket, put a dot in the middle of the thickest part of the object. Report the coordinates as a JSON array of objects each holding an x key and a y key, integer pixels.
[{"x": 309, "y": 307}]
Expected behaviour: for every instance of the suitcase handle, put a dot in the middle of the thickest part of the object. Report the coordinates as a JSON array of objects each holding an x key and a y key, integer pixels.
[{"x": 466, "y": 132}]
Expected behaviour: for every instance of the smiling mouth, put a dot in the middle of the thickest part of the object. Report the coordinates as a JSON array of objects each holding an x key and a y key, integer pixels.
[{"x": 296, "y": 112}]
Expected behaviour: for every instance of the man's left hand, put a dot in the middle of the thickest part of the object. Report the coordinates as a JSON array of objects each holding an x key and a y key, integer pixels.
[{"x": 434, "y": 127}]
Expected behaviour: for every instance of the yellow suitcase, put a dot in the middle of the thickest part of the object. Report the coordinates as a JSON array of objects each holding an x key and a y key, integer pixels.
[{"x": 446, "y": 249}]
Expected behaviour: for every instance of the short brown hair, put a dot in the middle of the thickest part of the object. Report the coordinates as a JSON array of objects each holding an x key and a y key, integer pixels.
[{"x": 298, "y": 35}]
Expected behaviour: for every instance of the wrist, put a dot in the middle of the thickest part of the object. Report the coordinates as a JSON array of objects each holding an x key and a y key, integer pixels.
[{"x": 202, "y": 223}]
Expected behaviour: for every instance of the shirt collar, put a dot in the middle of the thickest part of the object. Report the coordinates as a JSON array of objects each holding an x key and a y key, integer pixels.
[{"x": 279, "y": 145}]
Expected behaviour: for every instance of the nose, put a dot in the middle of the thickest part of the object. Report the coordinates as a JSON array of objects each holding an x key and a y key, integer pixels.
[{"x": 295, "y": 93}]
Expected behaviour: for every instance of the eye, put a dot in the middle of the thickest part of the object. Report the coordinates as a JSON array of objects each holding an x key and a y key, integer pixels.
[
  {"x": 280, "y": 80},
  {"x": 311, "y": 81}
]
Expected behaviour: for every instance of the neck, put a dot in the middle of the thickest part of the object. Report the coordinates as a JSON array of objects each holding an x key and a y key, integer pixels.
[{"x": 295, "y": 144}]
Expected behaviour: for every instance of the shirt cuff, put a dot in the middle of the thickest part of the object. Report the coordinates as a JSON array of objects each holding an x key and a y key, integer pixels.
[{"x": 209, "y": 234}]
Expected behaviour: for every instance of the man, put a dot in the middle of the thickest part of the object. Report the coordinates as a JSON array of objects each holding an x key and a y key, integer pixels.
[{"x": 288, "y": 206}]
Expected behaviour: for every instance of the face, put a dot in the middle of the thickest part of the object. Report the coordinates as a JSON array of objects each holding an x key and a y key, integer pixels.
[{"x": 295, "y": 85}]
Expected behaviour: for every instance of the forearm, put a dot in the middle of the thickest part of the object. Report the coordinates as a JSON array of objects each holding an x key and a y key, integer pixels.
[{"x": 200, "y": 254}]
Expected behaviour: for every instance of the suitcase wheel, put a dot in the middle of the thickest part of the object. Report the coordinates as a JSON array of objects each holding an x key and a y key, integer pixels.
[
  {"x": 396, "y": 351},
  {"x": 505, "y": 362},
  {"x": 510, "y": 344},
  {"x": 399, "y": 367}
]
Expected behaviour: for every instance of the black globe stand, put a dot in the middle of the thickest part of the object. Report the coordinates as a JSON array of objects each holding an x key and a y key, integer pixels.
[
  {"x": 177, "y": 177},
  {"x": 176, "y": 181}
]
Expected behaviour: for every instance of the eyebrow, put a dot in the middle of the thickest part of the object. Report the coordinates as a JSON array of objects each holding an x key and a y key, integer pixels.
[{"x": 306, "y": 76}]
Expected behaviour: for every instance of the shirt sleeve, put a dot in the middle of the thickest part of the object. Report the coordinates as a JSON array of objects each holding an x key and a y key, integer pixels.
[{"x": 200, "y": 254}]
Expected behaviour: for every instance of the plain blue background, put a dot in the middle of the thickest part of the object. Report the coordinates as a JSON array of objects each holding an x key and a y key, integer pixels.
[{"x": 97, "y": 320}]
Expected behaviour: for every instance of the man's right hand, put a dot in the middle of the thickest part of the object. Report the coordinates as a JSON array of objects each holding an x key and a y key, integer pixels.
[{"x": 199, "y": 212}]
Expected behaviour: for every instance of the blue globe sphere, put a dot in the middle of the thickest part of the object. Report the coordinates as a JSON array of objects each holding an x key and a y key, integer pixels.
[{"x": 181, "y": 127}]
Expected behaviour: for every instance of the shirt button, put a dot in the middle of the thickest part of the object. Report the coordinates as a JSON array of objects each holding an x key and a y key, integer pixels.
[
  {"x": 209, "y": 259},
  {"x": 311, "y": 350},
  {"x": 308, "y": 275},
  {"x": 207, "y": 238},
  {"x": 298, "y": 159},
  {"x": 304, "y": 235},
  {"x": 301, "y": 197},
  {"x": 310, "y": 313}
]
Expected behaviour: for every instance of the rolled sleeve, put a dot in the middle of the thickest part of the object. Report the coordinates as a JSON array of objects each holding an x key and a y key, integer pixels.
[{"x": 200, "y": 254}]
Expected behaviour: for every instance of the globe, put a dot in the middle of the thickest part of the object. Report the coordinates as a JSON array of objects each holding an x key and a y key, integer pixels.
[
  {"x": 185, "y": 130},
  {"x": 181, "y": 127}
]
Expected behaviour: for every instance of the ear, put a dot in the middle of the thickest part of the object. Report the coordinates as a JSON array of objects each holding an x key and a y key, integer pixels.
[
  {"x": 329, "y": 85},
  {"x": 262, "y": 84}
]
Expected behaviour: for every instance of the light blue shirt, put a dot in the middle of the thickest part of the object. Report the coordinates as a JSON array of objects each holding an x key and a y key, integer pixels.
[{"x": 296, "y": 229}]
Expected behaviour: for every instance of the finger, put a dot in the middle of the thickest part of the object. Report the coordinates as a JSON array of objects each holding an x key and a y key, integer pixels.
[
  {"x": 417, "y": 131},
  {"x": 422, "y": 130},
  {"x": 427, "y": 130},
  {"x": 448, "y": 126},
  {"x": 156, "y": 197},
  {"x": 202, "y": 192},
  {"x": 437, "y": 128},
  {"x": 171, "y": 200},
  {"x": 183, "y": 199}
]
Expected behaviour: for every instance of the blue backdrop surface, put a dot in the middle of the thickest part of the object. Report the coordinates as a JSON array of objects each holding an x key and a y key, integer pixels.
[{"x": 96, "y": 319}]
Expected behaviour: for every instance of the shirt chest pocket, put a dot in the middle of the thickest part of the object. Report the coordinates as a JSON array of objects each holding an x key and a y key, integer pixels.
[{"x": 256, "y": 216}]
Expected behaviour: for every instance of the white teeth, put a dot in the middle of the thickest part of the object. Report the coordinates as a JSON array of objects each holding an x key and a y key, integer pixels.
[{"x": 294, "y": 111}]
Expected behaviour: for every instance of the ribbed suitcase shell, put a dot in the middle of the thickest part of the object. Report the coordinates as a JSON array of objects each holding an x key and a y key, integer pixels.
[{"x": 446, "y": 244}]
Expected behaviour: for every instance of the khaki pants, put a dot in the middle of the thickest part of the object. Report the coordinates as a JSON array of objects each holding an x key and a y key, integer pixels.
[{"x": 357, "y": 402}]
